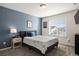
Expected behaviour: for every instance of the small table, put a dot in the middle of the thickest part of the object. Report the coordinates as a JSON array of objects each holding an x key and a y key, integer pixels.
[{"x": 16, "y": 42}]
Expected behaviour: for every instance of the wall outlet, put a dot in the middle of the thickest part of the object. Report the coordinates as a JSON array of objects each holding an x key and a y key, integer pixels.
[{"x": 4, "y": 43}]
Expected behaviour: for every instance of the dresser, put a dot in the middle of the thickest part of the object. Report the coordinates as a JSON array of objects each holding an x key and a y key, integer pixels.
[{"x": 77, "y": 44}]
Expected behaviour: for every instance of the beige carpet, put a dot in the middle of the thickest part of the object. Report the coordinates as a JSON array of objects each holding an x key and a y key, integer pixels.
[{"x": 24, "y": 51}]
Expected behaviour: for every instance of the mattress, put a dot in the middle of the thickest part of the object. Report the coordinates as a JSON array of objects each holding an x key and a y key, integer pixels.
[{"x": 40, "y": 42}]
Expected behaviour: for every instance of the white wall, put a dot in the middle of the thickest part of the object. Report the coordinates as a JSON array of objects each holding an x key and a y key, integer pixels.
[{"x": 72, "y": 28}]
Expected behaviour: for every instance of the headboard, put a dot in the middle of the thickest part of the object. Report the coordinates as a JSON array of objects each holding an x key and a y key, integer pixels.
[
  {"x": 22, "y": 33},
  {"x": 27, "y": 33}
]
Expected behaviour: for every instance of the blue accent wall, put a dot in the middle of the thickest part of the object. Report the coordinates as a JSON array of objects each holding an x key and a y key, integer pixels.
[{"x": 11, "y": 18}]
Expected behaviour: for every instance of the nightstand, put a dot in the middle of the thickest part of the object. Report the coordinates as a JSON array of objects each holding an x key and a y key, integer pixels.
[{"x": 16, "y": 42}]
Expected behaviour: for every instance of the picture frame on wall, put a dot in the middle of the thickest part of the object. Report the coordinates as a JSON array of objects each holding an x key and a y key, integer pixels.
[
  {"x": 29, "y": 24},
  {"x": 44, "y": 24}
]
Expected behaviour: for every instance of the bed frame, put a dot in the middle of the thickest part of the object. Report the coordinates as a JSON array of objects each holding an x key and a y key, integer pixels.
[
  {"x": 22, "y": 34},
  {"x": 38, "y": 51}
]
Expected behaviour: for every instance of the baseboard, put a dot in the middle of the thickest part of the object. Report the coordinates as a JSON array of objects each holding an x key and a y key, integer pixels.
[
  {"x": 5, "y": 48},
  {"x": 66, "y": 45}
]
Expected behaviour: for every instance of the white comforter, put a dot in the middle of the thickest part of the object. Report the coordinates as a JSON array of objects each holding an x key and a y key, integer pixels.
[{"x": 40, "y": 42}]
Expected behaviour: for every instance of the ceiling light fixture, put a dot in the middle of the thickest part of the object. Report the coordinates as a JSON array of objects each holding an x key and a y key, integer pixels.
[{"x": 43, "y": 5}]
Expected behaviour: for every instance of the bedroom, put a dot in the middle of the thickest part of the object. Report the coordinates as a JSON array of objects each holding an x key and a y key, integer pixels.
[{"x": 40, "y": 27}]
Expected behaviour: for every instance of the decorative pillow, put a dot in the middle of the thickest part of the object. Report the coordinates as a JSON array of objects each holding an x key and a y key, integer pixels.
[
  {"x": 33, "y": 33},
  {"x": 29, "y": 34}
]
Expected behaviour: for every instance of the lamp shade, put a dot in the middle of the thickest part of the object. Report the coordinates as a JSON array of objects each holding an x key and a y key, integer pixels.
[{"x": 13, "y": 30}]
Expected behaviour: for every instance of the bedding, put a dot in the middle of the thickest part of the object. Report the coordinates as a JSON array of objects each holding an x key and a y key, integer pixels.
[{"x": 40, "y": 42}]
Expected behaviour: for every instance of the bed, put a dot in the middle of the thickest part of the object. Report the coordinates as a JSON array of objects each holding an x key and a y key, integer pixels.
[{"x": 41, "y": 43}]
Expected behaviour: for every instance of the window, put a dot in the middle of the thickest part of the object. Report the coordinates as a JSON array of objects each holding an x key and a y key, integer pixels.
[{"x": 57, "y": 28}]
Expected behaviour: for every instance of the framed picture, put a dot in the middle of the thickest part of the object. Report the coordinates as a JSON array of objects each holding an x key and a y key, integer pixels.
[
  {"x": 29, "y": 24},
  {"x": 44, "y": 24}
]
